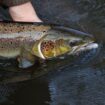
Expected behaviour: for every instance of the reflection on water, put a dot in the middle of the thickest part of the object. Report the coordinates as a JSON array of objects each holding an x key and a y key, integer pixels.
[
  {"x": 72, "y": 86},
  {"x": 65, "y": 84},
  {"x": 26, "y": 93},
  {"x": 10, "y": 72},
  {"x": 83, "y": 86}
]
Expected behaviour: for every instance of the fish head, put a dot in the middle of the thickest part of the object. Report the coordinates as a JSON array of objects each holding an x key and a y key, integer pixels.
[{"x": 50, "y": 47}]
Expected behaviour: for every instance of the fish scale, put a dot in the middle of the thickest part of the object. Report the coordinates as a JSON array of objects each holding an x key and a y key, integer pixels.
[{"x": 24, "y": 41}]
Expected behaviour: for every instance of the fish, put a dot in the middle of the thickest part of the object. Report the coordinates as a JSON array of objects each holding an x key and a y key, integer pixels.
[{"x": 28, "y": 42}]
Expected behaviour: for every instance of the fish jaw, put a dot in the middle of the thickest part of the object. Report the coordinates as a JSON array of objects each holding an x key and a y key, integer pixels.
[{"x": 85, "y": 47}]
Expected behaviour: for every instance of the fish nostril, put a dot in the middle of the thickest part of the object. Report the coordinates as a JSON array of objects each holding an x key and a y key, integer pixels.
[{"x": 73, "y": 44}]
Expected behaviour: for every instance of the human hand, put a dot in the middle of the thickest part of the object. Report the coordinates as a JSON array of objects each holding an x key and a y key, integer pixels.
[{"x": 24, "y": 13}]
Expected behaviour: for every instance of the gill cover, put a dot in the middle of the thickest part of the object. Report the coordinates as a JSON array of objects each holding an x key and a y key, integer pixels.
[
  {"x": 48, "y": 49},
  {"x": 52, "y": 49},
  {"x": 36, "y": 50}
]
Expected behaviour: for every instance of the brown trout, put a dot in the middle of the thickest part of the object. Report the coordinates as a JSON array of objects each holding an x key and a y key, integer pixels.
[{"x": 26, "y": 41}]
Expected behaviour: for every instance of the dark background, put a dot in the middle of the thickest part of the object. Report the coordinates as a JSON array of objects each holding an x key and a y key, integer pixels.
[{"x": 71, "y": 86}]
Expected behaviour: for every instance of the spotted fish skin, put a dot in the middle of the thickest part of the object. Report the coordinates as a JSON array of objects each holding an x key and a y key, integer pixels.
[
  {"x": 25, "y": 41},
  {"x": 14, "y": 36}
]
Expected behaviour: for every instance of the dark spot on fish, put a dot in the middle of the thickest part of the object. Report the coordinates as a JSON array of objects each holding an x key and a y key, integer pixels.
[
  {"x": 5, "y": 29},
  {"x": 44, "y": 31},
  {"x": 22, "y": 27},
  {"x": 11, "y": 42}
]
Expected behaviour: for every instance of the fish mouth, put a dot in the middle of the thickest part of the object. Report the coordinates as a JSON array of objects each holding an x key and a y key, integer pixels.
[{"x": 84, "y": 47}]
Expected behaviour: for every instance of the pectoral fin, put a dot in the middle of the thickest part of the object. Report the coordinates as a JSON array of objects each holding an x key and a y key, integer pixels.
[{"x": 26, "y": 59}]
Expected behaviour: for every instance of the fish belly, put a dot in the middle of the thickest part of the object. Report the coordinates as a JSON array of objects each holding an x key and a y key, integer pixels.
[{"x": 10, "y": 53}]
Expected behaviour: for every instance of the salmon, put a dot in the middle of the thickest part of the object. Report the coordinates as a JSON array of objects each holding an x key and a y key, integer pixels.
[{"x": 26, "y": 41}]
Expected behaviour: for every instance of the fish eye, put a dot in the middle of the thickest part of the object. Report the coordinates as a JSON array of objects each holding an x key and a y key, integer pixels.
[
  {"x": 75, "y": 43},
  {"x": 72, "y": 44}
]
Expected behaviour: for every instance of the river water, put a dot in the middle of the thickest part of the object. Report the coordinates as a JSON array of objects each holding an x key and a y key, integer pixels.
[{"x": 78, "y": 80}]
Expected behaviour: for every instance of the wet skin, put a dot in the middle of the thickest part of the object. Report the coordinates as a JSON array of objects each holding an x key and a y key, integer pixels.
[{"x": 28, "y": 41}]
